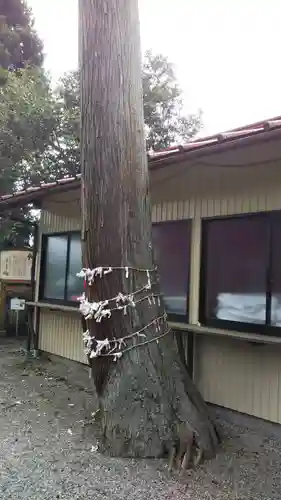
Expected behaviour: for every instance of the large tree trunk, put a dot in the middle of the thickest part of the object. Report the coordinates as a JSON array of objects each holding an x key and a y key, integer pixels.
[{"x": 146, "y": 396}]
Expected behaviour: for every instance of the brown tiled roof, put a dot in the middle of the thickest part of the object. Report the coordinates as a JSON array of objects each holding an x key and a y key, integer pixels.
[
  {"x": 259, "y": 131},
  {"x": 38, "y": 192}
]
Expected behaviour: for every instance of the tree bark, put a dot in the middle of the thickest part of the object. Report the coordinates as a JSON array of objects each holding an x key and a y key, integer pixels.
[{"x": 147, "y": 395}]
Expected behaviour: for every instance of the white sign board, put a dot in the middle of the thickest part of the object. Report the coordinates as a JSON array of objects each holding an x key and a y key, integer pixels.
[
  {"x": 17, "y": 304},
  {"x": 15, "y": 265}
]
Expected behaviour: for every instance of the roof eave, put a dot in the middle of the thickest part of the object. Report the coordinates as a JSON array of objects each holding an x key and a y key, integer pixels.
[
  {"x": 214, "y": 148},
  {"x": 34, "y": 196},
  {"x": 175, "y": 156}
]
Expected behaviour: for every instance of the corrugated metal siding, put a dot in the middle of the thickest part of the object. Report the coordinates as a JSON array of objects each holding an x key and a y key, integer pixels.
[
  {"x": 229, "y": 373},
  {"x": 215, "y": 192},
  {"x": 52, "y": 222},
  {"x": 241, "y": 376},
  {"x": 61, "y": 333},
  {"x": 213, "y": 207}
]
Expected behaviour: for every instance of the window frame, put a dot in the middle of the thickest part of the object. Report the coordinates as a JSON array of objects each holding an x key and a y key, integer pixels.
[
  {"x": 172, "y": 317},
  {"x": 263, "y": 329},
  {"x": 179, "y": 318},
  {"x": 42, "y": 279}
]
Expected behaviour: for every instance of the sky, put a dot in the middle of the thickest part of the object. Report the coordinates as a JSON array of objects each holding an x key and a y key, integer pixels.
[{"x": 226, "y": 53}]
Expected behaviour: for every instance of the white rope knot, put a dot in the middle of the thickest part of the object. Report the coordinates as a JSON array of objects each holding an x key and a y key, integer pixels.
[
  {"x": 100, "y": 346},
  {"x": 91, "y": 274},
  {"x": 88, "y": 342},
  {"x": 94, "y": 310}
]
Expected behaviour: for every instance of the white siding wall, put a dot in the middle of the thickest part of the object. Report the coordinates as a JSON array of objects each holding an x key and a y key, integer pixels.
[
  {"x": 239, "y": 375},
  {"x": 60, "y": 332},
  {"x": 231, "y": 373},
  {"x": 52, "y": 222},
  {"x": 202, "y": 192}
]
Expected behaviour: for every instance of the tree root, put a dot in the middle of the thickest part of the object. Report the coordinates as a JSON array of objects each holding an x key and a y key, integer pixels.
[
  {"x": 151, "y": 409},
  {"x": 185, "y": 451}
]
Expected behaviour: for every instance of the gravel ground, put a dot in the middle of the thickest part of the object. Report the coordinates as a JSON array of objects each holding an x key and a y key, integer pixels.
[{"x": 47, "y": 446}]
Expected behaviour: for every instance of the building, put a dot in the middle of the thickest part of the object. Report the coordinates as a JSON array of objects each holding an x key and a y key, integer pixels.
[
  {"x": 15, "y": 282},
  {"x": 217, "y": 214}
]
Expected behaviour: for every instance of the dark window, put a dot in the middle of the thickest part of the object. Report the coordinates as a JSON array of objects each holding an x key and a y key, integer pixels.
[
  {"x": 62, "y": 260},
  {"x": 171, "y": 241},
  {"x": 241, "y": 272}
]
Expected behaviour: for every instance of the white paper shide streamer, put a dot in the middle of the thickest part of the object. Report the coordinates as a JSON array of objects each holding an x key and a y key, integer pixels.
[{"x": 102, "y": 310}]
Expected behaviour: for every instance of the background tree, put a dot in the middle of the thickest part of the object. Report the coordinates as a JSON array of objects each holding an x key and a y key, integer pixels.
[
  {"x": 26, "y": 125},
  {"x": 165, "y": 123},
  {"x": 25, "y": 97},
  {"x": 40, "y": 129},
  {"x": 19, "y": 42},
  {"x": 24, "y": 107},
  {"x": 61, "y": 156},
  {"x": 39, "y": 136},
  {"x": 147, "y": 401}
]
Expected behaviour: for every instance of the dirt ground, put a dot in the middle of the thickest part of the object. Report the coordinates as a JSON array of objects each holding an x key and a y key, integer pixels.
[{"x": 47, "y": 445}]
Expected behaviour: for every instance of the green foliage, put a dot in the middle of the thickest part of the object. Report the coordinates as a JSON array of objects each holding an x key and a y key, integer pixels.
[
  {"x": 26, "y": 125},
  {"x": 25, "y": 109},
  {"x": 19, "y": 42},
  {"x": 39, "y": 129},
  {"x": 62, "y": 155},
  {"x": 163, "y": 116},
  {"x": 15, "y": 234},
  {"x": 165, "y": 123}
]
